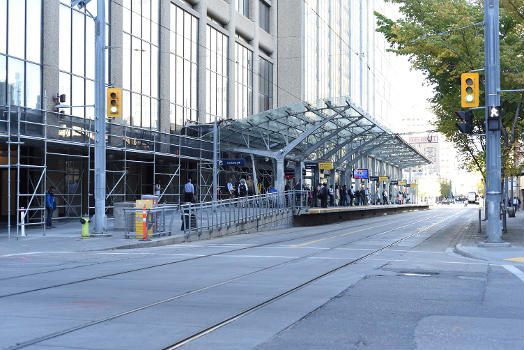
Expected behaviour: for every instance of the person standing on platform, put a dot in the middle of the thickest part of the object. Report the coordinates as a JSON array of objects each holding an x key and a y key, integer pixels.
[
  {"x": 351, "y": 194},
  {"x": 189, "y": 191}
]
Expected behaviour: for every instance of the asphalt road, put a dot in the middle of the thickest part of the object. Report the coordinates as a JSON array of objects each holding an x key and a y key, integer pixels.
[{"x": 389, "y": 282}]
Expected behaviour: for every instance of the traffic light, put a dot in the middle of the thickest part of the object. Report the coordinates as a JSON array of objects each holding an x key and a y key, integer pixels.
[
  {"x": 114, "y": 102},
  {"x": 469, "y": 88},
  {"x": 466, "y": 126}
]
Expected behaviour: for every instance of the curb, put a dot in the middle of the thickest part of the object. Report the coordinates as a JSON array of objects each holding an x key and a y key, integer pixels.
[{"x": 461, "y": 250}]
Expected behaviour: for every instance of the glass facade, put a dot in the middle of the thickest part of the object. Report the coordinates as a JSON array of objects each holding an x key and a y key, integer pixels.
[
  {"x": 263, "y": 15},
  {"x": 265, "y": 85},
  {"x": 343, "y": 55},
  {"x": 140, "y": 63},
  {"x": 244, "y": 81},
  {"x": 242, "y": 7},
  {"x": 20, "y": 52},
  {"x": 183, "y": 68},
  {"x": 216, "y": 75}
]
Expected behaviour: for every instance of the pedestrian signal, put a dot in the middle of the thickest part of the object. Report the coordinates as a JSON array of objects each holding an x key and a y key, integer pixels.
[
  {"x": 469, "y": 90},
  {"x": 114, "y": 102}
]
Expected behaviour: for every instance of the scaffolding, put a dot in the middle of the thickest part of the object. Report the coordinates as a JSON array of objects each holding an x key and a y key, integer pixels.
[{"x": 42, "y": 148}]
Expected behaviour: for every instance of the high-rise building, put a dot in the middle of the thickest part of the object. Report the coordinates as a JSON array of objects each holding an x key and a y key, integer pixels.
[{"x": 180, "y": 63}]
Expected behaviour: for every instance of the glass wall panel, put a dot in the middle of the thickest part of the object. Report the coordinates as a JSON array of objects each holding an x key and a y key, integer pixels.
[
  {"x": 20, "y": 46},
  {"x": 216, "y": 76},
  {"x": 263, "y": 15},
  {"x": 243, "y": 7},
  {"x": 140, "y": 63},
  {"x": 16, "y": 28},
  {"x": 265, "y": 85},
  {"x": 244, "y": 83},
  {"x": 183, "y": 68},
  {"x": 76, "y": 56},
  {"x": 3, "y": 26}
]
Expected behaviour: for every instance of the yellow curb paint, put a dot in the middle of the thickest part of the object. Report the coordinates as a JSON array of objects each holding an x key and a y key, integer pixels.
[{"x": 517, "y": 259}]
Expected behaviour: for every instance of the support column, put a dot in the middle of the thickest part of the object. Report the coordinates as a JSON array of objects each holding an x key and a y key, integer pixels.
[
  {"x": 279, "y": 181},
  {"x": 255, "y": 181},
  {"x": 164, "y": 80}
]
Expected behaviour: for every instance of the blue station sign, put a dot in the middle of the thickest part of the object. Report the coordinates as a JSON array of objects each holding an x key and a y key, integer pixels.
[{"x": 232, "y": 162}]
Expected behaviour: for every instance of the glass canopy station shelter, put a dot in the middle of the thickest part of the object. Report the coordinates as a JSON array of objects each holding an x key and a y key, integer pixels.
[{"x": 332, "y": 131}]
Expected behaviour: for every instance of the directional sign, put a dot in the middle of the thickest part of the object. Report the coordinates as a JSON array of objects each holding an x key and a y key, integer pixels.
[
  {"x": 383, "y": 178},
  {"x": 402, "y": 183},
  {"x": 494, "y": 112},
  {"x": 413, "y": 185},
  {"x": 310, "y": 165},
  {"x": 232, "y": 162},
  {"x": 393, "y": 182},
  {"x": 325, "y": 166},
  {"x": 373, "y": 178}
]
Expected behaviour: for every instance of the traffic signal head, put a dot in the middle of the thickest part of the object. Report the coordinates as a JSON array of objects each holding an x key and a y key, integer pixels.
[
  {"x": 466, "y": 126},
  {"x": 469, "y": 89},
  {"x": 114, "y": 102}
]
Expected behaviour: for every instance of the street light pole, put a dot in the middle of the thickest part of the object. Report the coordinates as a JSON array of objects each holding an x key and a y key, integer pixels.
[
  {"x": 493, "y": 151},
  {"x": 100, "y": 118}
]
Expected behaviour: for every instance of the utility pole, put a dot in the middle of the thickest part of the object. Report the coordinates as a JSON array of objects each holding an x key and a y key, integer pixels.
[
  {"x": 100, "y": 118},
  {"x": 492, "y": 118}
]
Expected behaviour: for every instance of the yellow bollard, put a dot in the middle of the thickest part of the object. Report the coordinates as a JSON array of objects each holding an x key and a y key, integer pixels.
[{"x": 85, "y": 226}]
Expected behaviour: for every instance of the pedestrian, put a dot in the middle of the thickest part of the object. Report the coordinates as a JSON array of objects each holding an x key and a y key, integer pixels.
[
  {"x": 384, "y": 197},
  {"x": 337, "y": 195},
  {"x": 357, "y": 197},
  {"x": 50, "y": 204},
  {"x": 157, "y": 190},
  {"x": 230, "y": 189},
  {"x": 362, "y": 196},
  {"x": 343, "y": 195},
  {"x": 516, "y": 203},
  {"x": 324, "y": 194},
  {"x": 242, "y": 188},
  {"x": 189, "y": 191},
  {"x": 351, "y": 194},
  {"x": 331, "y": 196},
  {"x": 250, "y": 186}
]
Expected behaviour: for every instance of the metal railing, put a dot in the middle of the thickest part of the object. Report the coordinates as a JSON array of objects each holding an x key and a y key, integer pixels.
[{"x": 207, "y": 217}]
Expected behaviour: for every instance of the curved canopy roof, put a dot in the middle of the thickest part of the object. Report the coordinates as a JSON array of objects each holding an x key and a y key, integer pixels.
[{"x": 332, "y": 130}]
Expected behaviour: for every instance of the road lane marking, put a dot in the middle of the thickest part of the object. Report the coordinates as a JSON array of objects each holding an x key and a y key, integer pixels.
[
  {"x": 336, "y": 236},
  {"x": 514, "y": 270},
  {"x": 517, "y": 259}
]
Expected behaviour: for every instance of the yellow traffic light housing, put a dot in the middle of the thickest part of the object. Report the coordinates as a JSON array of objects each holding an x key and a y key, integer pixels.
[
  {"x": 469, "y": 88},
  {"x": 114, "y": 102}
]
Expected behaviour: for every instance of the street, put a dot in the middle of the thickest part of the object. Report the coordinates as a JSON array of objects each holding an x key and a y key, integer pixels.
[{"x": 387, "y": 282}]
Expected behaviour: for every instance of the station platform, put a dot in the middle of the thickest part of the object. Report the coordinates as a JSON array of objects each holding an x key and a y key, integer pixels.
[{"x": 323, "y": 216}]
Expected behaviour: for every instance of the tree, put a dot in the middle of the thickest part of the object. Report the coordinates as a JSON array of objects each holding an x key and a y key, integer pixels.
[
  {"x": 445, "y": 188},
  {"x": 445, "y": 38}
]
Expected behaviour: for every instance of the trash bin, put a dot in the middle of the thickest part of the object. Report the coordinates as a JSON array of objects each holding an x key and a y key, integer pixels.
[{"x": 511, "y": 211}]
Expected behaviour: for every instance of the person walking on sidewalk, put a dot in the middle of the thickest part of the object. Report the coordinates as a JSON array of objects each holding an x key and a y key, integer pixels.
[
  {"x": 516, "y": 203},
  {"x": 50, "y": 205}
]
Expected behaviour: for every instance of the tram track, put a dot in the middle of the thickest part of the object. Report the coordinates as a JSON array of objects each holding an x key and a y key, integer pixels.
[
  {"x": 235, "y": 278},
  {"x": 161, "y": 264}
]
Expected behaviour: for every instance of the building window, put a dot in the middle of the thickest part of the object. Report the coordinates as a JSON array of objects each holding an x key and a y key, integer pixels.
[
  {"x": 263, "y": 13},
  {"x": 243, "y": 7},
  {"x": 76, "y": 61},
  {"x": 183, "y": 68},
  {"x": 244, "y": 81},
  {"x": 216, "y": 75},
  {"x": 265, "y": 85},
  {"x": 20, "y": 46},
  {"x": 140, "y": 63}
]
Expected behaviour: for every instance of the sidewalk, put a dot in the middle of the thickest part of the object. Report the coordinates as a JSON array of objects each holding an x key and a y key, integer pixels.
[
  {"x": 66, "y": 236},
  {"x": 472, "y": 246}
]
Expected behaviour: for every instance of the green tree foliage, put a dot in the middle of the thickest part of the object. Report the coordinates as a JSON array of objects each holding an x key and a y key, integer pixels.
[
  {"x": 445, "y": 189},
  {"x": 432, "y": 35}
]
